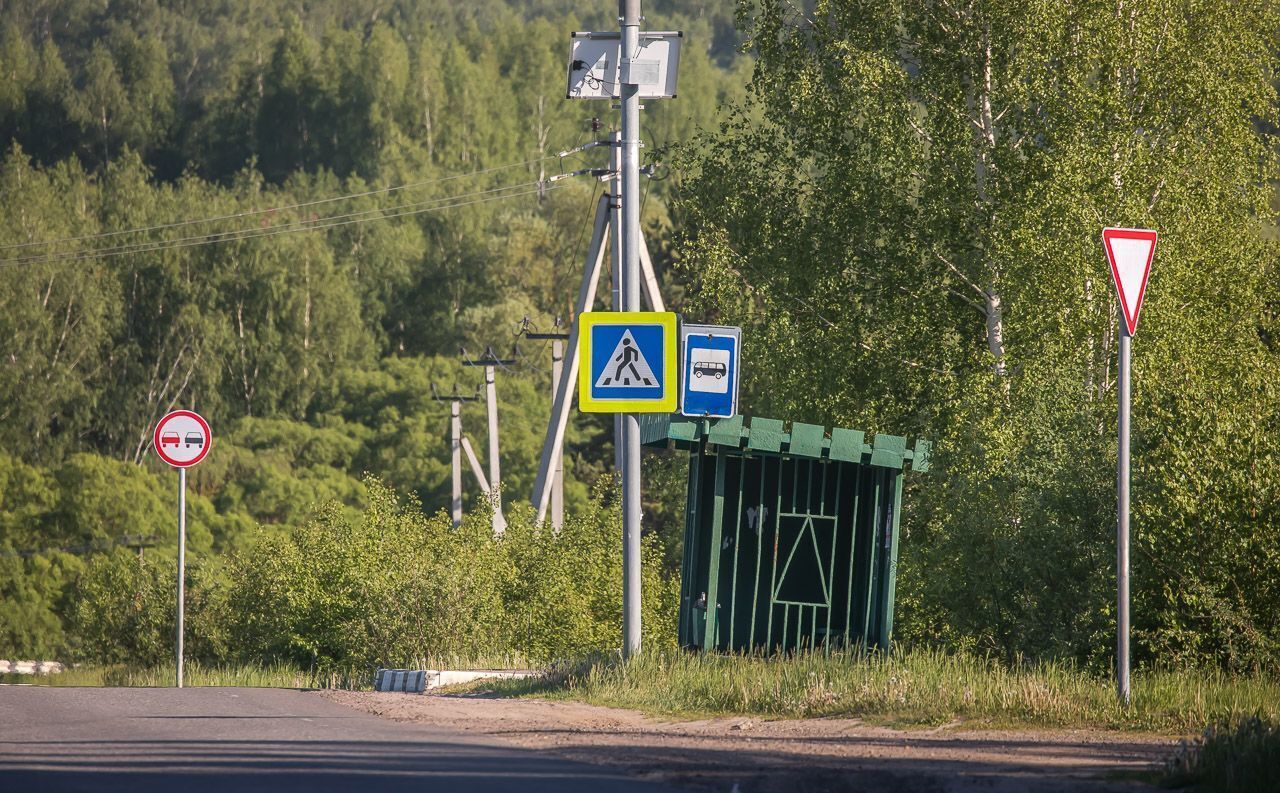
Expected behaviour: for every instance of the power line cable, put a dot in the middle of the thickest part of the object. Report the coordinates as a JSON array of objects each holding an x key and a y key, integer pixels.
[
  {"x": 256, "y": 212},
  {"x": 231, "y": 235},
  {"x": 223, "y": 237}
]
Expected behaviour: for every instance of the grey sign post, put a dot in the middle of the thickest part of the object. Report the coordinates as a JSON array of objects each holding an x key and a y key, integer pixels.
[
  {"x": 1129, "y": 252},
  {"x": 1122, "y": 523},
  {"x": 626, "y": 66},
  {"x": 182, "y": 439}
]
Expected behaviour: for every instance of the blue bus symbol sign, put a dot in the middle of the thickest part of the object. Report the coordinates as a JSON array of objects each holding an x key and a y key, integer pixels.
[{"x": 709, "y": 356}]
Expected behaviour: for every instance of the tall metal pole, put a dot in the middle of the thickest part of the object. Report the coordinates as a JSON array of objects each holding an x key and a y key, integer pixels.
[
  {"x": 455, "y": 445},
  {"x": 616, "y": 225},
  {"x": 182, "y": 560},
  {"x": 557, "y": 484},
  {"x": 630, "y": 178},
  {"x": 495, "y": 475},
  {"x": 1122, "y": 524}
]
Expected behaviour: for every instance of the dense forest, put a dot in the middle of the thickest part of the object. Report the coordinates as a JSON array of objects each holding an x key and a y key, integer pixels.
[
  {"x": 293, "y": 217},
  {"x": 298, "y": 219}
]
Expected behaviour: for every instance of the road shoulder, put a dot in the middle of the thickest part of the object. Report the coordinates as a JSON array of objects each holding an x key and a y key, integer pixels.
[{"x": 761, "y": 756}]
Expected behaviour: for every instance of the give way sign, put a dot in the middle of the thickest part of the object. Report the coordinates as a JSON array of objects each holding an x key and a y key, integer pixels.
[
  {"x": 182, "y": 438},
  {"x": 1130, "y": 252}
]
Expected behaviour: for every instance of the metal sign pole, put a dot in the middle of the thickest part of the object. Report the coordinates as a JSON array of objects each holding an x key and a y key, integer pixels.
[
  {"x": 1122, "y": 523},
  {"x": 182, "y": 560},
  {"x": 630, "y": 179}
]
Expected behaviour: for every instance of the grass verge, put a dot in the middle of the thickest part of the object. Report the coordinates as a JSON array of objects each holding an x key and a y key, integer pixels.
[
  {"x": 194, "y": 674},
  {"x": 920, "y": 687},
  {"x": 1231, "y": 755}
]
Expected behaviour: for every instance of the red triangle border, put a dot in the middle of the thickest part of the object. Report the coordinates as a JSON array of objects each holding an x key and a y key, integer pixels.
[{"x": 1108, "y": 234}]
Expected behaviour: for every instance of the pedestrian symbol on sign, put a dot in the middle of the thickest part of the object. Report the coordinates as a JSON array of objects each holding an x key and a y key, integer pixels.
[
  {"x": 627, "y": 366},
  {"x": 628, "y": 362}
]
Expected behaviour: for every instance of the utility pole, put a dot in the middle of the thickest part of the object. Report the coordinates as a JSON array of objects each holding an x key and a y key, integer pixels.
[
  {"x": 490, "y": 361},
  {"x": 629, "y": 176},
  {"x": 455, "y": 401},
  {"x": 615, "y": 270},
  {"x": 557, "y": 340}
]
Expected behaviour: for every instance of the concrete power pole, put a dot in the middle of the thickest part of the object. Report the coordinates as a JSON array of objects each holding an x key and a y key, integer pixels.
[
  {"x": 490, "y": 362},
  {"x": 630, "y": 182},
  {"x": 455, "y": 401},
  {"x": 557, "y": 369}
]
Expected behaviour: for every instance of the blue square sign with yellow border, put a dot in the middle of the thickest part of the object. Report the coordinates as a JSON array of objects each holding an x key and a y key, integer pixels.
[{"x": 628, "y": 362}]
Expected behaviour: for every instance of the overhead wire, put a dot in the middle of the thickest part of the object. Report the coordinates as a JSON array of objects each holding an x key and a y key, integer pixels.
[
  {"x": 233, "y": 234},
  {"x": 249, "y": 234},
  {"x": 269, "y": 210}
]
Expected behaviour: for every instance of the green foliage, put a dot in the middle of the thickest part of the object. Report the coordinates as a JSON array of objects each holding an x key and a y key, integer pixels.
[
  {"x": 313, "y": 355},
  {"x": 32, "y": 590},
  {"x": 905, "y": 216},
  {"x": 123, "y": 610},
  {"x": 395, "y": 587},
  {"x": 1241, "y": 753}
]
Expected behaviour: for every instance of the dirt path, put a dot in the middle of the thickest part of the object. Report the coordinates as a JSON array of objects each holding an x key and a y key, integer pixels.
[{"x": 753, "y": 756}]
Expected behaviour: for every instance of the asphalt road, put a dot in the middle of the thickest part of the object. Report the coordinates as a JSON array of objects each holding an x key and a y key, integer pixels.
[{"x": 246, "y": 740}]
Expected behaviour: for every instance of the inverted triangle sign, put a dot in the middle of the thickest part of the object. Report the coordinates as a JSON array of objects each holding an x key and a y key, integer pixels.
[{"x": 1129, "y": 252}]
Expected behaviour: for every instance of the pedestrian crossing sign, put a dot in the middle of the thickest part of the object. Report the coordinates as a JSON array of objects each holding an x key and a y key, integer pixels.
[{"x": 628, "y": 362}]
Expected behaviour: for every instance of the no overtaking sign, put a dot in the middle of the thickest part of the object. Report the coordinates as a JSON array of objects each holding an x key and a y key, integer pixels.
[{"x": 182, "y": 438}]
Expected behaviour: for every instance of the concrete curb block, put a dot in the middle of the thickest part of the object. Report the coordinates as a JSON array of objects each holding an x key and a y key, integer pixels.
[
  {"x": 30, "y": 667},
  {"x": 417, "y": 681}
]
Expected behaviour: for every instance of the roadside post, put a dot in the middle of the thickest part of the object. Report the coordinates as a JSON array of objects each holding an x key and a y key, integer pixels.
[
  {"x": 182, "y": 439},
  {"x": 629, "y": 367},
  {"x": 627, "y": 66},
  {"x": 1129, "y": 252}
]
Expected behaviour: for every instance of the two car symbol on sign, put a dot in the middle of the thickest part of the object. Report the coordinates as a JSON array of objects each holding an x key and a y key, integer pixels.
[{"x": 172, "y": 439}]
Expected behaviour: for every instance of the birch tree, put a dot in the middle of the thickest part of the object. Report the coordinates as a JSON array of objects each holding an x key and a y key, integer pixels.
[{"x": 911, "y": 234}]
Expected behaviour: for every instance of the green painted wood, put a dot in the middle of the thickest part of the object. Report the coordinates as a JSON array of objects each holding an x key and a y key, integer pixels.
[
  {"x": 688, "y": 578},
  {"x": 737, "y": 555},
  {"x": 726, "y": 432},
  {"x": 759, "y": 529},
  {"x": 765, "y": 435},
  {"x": 872, "y": 562},
  {"x": 806, "y": 440},
  {"x": 891, "y": 569},
  {"x": 846, "y": 445},
  {"x": 685, "y": 430},
  {"x": 853, "y": 552},
  {"x": 889, "y": 451},
  {"x": 783, "y": 476},
  {"x": 920, "y": 461},
  {"x": 655, "y": 429},
  {"x": 711, "y": 635}
]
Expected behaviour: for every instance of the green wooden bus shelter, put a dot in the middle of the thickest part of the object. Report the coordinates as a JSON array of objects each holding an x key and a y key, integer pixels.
[{"x": 791, "y": 532}]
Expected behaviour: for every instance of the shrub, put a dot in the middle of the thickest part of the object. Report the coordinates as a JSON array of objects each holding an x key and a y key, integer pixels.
[
  {"x": 1231, "y": 755},
  {"x": 397, "y": 587}
]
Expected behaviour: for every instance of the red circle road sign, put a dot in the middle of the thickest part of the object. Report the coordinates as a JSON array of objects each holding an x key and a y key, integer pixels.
[{"x": 182, "y": 438}]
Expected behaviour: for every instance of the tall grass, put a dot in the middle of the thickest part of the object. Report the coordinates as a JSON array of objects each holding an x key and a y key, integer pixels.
[
  {"x": 1232, "y": 755},
  {"x": 194, "y": 674},
  {"x": 915, "y": 687}
]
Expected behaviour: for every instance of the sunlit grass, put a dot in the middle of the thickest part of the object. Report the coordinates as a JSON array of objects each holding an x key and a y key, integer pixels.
[
  {"x": 1231, "y": 755},
  {"x": 194, "y": 674},
  {"x": 923, "y": 687}
]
